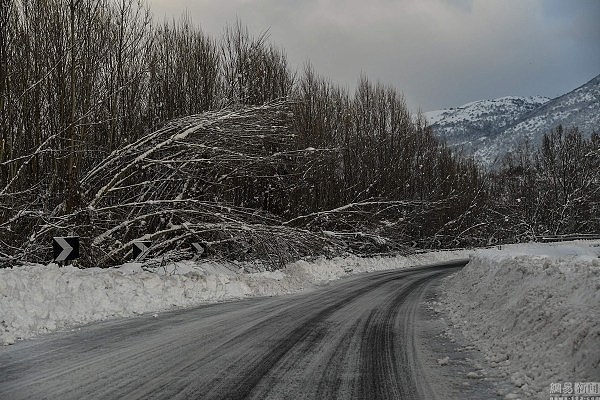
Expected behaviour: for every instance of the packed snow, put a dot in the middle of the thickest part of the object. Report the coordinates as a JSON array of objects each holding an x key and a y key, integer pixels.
[
  {"x": 533, "y": 310},
  {"x": 35, "y": 299}
]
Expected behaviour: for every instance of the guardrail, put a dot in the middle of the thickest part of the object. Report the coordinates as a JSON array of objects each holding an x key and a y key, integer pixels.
[{"x": 561, "y": 238}]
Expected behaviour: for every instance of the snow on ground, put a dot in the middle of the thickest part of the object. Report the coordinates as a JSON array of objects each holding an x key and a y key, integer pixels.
[
  {"x": 35, "y": 299},
  {"x": 533, "y": 310}
]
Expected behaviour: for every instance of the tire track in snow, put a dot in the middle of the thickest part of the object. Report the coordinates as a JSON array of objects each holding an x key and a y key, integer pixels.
[{"x": 349, "y": 339}]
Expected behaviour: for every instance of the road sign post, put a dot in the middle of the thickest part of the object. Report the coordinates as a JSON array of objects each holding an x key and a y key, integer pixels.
[
  {"x": 141, "y": 249},
  {"x": 199, "y": 248},
  {"x": 65, "y": 248}
]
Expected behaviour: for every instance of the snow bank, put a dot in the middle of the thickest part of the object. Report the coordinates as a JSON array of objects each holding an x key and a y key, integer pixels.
[
  {"x": 41, "y": 298},
  {"x": 533, "y": 310}
]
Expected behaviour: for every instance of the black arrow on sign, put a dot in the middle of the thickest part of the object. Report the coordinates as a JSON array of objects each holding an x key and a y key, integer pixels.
[
  {"x": 141, "y": 249},
  {"x": 65, "y": 248}
]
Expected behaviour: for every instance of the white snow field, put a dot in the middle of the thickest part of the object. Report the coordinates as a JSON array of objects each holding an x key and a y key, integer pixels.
[
  {"x": 35, "y": 299},
  {"x": 533, "y": 310}
]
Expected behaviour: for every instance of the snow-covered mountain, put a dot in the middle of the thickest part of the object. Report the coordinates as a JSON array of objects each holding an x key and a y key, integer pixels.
[
  {"x": 481, "y": 119},
  {"x": 490, "y": 128}
]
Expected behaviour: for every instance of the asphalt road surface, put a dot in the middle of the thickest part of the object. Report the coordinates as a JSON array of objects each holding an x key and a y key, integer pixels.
[{"x": 357, "y": 338}]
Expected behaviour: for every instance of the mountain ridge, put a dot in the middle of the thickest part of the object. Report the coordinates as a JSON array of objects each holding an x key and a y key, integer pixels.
[{"x": 490, "y": 128}]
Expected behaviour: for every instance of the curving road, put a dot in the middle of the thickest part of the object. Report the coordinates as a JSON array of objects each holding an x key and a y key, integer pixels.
[{"x": 355, "y": 338}]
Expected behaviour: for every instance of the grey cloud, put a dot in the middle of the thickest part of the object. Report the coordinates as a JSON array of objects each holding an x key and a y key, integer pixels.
[{"x": 439, "y": 52}]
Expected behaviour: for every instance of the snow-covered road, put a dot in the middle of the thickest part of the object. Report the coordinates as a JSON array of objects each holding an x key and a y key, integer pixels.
[{"x": 355, "y": 338}]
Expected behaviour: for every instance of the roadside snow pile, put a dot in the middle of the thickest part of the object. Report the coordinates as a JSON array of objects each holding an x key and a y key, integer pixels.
[
  {"x": 533, "y": 310},
  {"x": 41, "y": 298}
]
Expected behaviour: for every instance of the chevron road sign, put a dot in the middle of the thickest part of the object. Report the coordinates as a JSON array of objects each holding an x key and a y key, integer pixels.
[
  {"x": 199, "y": 249},
  {"x": 65, "y": 248},
  {"x": 141, "y": 249}
]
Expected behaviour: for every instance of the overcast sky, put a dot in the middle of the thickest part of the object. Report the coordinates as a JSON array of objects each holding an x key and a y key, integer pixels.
[{"x": 440, "y": 53}]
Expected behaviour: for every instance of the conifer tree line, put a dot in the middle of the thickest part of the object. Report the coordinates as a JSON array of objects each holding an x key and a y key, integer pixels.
[{"x": 84, "y": 84}]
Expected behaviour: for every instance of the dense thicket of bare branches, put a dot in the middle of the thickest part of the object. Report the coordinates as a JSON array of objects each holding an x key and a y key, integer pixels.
[
  {"x": 186, "y": 182},
  {"x": 115, "y": 128},
  {"x": 81, "y": 78},
  {"x": 379, "y": 155},
  {"x": 554, "y": 190}
]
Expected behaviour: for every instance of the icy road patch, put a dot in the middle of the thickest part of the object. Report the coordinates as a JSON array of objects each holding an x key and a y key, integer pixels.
[
  {"x": 533, "y": 310},
  {"x": 35, "y": 299}
]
